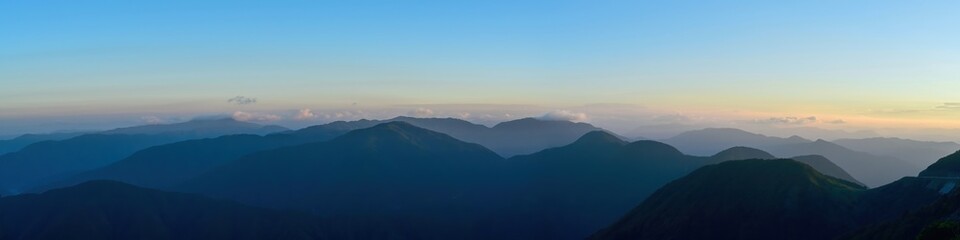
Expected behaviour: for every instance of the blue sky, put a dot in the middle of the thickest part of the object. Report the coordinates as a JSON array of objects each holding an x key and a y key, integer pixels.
[{"x": 871, "y": 63}]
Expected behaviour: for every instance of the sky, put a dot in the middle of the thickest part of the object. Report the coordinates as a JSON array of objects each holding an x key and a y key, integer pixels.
[{"x": 863, "y": 67}]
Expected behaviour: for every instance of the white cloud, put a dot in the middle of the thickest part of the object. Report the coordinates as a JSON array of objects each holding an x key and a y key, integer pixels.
[
  {"x": 152, "y": 120},
  {"x": 564, "y": 115},
  {"x": 305, "y": 114},
  {"x": 421, "y": 112},
  {"x": 255, "y": 117},
  {"x": 787, "y": 120},
  {"x": 950, "y": 106}
]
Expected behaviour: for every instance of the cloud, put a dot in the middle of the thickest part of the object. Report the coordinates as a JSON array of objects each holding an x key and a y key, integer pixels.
[
  {"x": 421, "y": 112},
  {"x": 305, "y": 114},
  {"x": 255, "y": 117},
  {"x": 787, "y": 120},
  {"x": 152, "y": 120},
  {"x": 241, "y": 100},
  {"x": 950, "y": 106},
  {"x": 838, "y": 121},
  {"x": 564, "y": 115}
]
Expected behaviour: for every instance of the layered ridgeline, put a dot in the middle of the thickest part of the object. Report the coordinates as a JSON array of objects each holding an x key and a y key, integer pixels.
[
  {"x": 569, "y": 192},
  {"x": 17, "y": 143},
  {"x": 48, "y": 160},
  {"x": 920, "y": 153},
  {"x": 871, "y": 169},
  {"x": 748, "y": 199},
  {"x": 784, "y": 199},
  {"x": 113, "y": 210},
  {"x": 438, "y": 185},
  {"x": 565, "y": 192},
  {"x": 709, "y": 141},
  {"x": 165, "y": 165},
  {"x": 819, "y": 163},
  {"x": 939, "y": 220},
  {"x": 521, "y": 136}
]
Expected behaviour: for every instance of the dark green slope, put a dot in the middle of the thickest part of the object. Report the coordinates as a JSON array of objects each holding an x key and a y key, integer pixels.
[
  {"x": 748, "y": 199},
  {"x": 113, "y": 210},
  {"x": 948, "y": 166},
  {"x": 938, "y": 220},
  {"x": 903, "y": 209},
  {"x": 435, "y": 183}
]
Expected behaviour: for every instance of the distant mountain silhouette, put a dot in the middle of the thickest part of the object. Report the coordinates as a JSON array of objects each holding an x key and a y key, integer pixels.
[
  {"x": 827, "y": 167},
  {"x": 870, "y": 169},
  {"x": 165, "y": 165},
  {"x": 741, "y": 153},
  {"x": 17, "y": 143},
  {"x": 746, "y": 199},
  {"x": 113, "y": 210},
  {"x": 710, "y": 141},
  {"x": 572, "y": 191},
  {"x": 431, "y": 181},
  {"x": 200, "y": 128},
  {"x": 521, "y": 136},
  {"x": 948, "y": 166},
  {"x": 820, "y": 163},
  {"x": 529, "y": 135},
  {"x": 48, "y": 161},
  {"x": 920, "y": 153}
]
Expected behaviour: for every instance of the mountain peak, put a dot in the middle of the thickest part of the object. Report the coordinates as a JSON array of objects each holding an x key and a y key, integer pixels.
[
  {"x": 534, "y": 122},
  {"x": 745, "y": 199},
  {"x": 742, "y": 153},
  {"x": 599, "y": 137},
  {"x": 797, "y": 138},
  {"x": 654, "y": 147}
]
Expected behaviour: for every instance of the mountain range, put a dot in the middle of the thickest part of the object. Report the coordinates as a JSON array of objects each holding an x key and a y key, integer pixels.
[
  {"x": 407, "y": 179},
  {"x": 745, "y": 199},
  {"x": 785, "y": 199},
  {"x": 46, "y": 161},
  {"x": 872, "y": 169}
]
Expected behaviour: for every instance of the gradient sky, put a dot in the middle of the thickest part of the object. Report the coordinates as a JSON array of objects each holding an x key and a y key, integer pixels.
[{"x": 850, "y": 64}]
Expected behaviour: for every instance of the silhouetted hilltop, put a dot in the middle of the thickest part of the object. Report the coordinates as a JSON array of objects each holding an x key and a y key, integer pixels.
[
  {"x": 741, "y": 153},
  {"x": 870, "y": 169},
  {"x": 747, "y": 199},
  {"x": 570, "y": 192},
  {"x": 706, "y": 142},
  {"x": 435, "y": 183}
]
